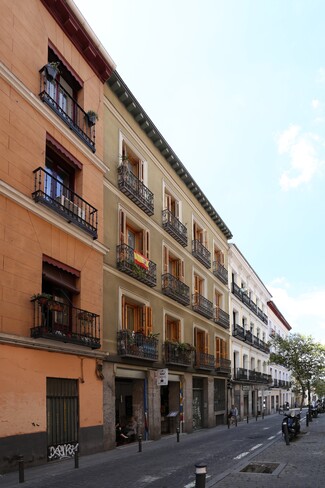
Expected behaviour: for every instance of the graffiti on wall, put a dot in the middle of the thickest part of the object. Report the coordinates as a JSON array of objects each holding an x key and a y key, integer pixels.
[{"x": 62, "y": 451}]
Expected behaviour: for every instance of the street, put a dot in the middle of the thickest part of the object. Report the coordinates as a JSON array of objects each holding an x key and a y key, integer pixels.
[{"x": 161, "y": 464}]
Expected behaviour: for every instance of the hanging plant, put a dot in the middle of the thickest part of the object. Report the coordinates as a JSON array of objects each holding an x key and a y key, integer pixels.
[
  {"x": 91, "y": 117},
  {"x": 52, "y": 70}
]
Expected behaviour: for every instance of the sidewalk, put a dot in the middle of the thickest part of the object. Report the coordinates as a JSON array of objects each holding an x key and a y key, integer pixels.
[{"x": 298, "y": 465}]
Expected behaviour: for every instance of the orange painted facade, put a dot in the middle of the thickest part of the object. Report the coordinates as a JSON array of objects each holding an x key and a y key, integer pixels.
[{"x": 51, "y": 231}]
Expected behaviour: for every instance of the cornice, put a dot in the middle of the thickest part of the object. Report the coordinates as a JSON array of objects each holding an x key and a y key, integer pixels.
[
  {"x": 120, "y": 89},
  {"x": 278, "y": 314}
]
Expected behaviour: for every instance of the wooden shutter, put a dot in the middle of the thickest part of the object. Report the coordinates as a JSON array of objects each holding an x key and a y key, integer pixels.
[
  {"x": 141, "y": 170},
  {"x": 206, "y": 342},
  {"x": 122, "y": 226},
  {"x": 205, "y": 238},
  {"x": 146, "y": 244},
  {"x": 176, "y": 209},
  {"x": 168, "y": 202},
  {"x": 147, "y": 320},
  {"x": 181, "y": 270},
  {"x": 218, "y": 349},
  {"x": 123, "y": 312},
  {"x": 165, "y": 259}
]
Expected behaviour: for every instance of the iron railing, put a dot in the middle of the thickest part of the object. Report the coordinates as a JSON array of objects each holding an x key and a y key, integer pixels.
[
  {"x": 175, "y": 289},
  {"x": 201, "y": 253},
  {"x": 127, "y": 262},
  {"x": 238, "y": 331},
  {"x": 243, "y": 296},
  {"x": 223, "y": 365},
  {"x": 174, "y": 227},
  {"x": 133, "y": 188},
  {"x": 61, "y": 102},
  {"x": 204, "y": 360},
  {"x": 137, "y": 345},
  {"x": 220, "y": 272},
  {"x": 62, "y": 322},
  {"x": 178, "y": 353},
  {"x": 51, "y": 192},
  {"x": 202, "y": 305},
  {"x": 243, "y": 374},
  {"x": 221, "y": 317}
]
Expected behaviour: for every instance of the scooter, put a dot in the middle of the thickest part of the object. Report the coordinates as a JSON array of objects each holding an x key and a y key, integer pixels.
[{"x": 291, "y": 425}]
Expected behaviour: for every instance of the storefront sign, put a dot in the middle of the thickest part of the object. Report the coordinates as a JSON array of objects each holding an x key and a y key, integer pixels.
[{"x": 162, "y": 377}]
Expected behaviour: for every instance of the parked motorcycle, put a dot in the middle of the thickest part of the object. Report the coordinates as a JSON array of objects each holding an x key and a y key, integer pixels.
[{"x": 291, "y": 425}]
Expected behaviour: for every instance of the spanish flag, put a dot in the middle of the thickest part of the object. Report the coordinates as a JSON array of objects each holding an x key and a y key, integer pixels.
[{"x": 141, "y": 260}]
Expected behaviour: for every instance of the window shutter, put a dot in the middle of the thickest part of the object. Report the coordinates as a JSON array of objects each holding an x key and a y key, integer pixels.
[
  {"x": 122, "y": 225},
  {"x": 181, "y": 262},
  {"x": 165, "y": 259},
  {"x": 176, "y": 209},
  {"x": 205, "y": 239},
  {"x": 218, "y": 348},
  {"x": 168, "y": 201},
  {"x": 123, "y": 312},
  {"x": 206, "y": 342},
  {"x": 221, "y": 258},
  {"x": 146, "y": 250},
  {"x": 141, "y": 170},
  {"x": 148, "y": 320}
]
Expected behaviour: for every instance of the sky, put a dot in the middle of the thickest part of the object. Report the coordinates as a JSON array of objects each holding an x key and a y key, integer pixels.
[{"x": 237, "y": 88}]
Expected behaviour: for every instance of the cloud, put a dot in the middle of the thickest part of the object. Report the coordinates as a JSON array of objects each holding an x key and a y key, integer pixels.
[
  {"x": 304, "y": 312},
  {"x": 315, "y": 104},
  {"x": 321, "y": 75},
  {"x": 301, "y": 148}
]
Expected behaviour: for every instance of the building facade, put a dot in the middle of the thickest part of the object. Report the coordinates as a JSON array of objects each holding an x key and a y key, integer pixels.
[
  {"x": 52, "y": 75},
  {"x": 165, "y": 282},
  {"x": 280, "y": 393},
  {"x": 249, "y": 342}
]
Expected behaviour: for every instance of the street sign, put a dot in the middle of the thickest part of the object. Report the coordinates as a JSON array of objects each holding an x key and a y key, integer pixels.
[{"x": 162, "y": 377}]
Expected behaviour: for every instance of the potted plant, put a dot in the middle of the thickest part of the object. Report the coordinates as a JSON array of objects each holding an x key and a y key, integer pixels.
[
  {"x": 91, "y": 118},
  {"x": 52, "y": 70},
  {"x": 41, "y": 297}
]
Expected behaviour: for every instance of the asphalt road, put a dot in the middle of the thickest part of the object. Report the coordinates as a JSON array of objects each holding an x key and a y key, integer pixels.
[{"x": 161, "y": 464}]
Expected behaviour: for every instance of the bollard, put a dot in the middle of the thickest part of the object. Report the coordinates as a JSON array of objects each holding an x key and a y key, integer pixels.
[
  {"x": 140, "y": 442},
  {"x": 256, "y": 416},
  {"x": 177, "y": 433},
  {"x": 21, "y": 469},
  {"x": 76, "y": 459},
  {"x": 263, "y": 415},
  {"x": 247, "y": 418},
  {"x": 286, "y": 433},
  {"x": 307, "y": 419},
  {"x": 200, "y": 475}
]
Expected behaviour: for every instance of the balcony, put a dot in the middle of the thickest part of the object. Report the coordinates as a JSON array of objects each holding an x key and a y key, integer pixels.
[
  {"x": 242, "y": 374},
  {"x": 239, "y": 332},
  {"x": 180, "y": 354},
  {"x": 202, "y": 305},
  {"x": 134, "y": 264},
  {"x": 237, "y": 291},
  {"x": 221, "y": 317},
  {"x": 133, "y": 188},
  {"x": 201, "y": 253},
  {"x": 223, "y": 366},
  {"x": 243, "y": 297},
  {"x": 175, "y": 289},
  {"x": 137, "y": 345},
  {"x": 61, "y": 322},
  {"x": 174, "y": 227},
  {"x": 204, "y": 360},
  {"x": 51, "y": 192},
  {"x": 220, "y": 272},
  {"x": 249, "y": 337},
  {"x": 246, "y": 300},
  {"x": 61, "y": 102}
]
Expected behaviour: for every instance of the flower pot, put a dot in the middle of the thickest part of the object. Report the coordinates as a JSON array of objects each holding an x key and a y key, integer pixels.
[{"x": 51, "y": 72}]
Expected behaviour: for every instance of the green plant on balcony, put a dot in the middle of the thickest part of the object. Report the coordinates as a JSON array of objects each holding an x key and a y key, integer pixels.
[
  {"x": 91, "y": 117},
  {"x": 52, "y": 70},
  {"x": 41, "y": 297}
]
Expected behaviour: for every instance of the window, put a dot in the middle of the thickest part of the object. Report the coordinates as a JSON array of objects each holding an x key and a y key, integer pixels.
[
  {"x": 172, "y": 329},
  {"x": 133, "y": 162},
  {"x": 200, "y": 234},
  {"x": 171, "y": 204},
  {"x": 201, "y": 341},
  {"x": 198, "y": 284},
  {"x": 132, "y": 234},
  {"x": 219, "y": 256},
  {"x": 221, "y": 350},
  {"x": 173, "y": 264},
  {"x": 136, "y": 316},
  {"x": 62, "y": 175}
]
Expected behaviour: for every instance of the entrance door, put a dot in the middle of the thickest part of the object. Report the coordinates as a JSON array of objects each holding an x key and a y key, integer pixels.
[{"x": 62, "y": 417}]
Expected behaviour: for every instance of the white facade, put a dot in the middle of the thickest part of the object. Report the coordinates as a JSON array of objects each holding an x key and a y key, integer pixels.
[
  {"x": 280, "y": 392},
  {"x": 249, "y": 351}
]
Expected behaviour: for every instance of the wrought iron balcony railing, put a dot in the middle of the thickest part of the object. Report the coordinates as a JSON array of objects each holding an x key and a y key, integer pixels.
[
  {"x": 174, "y": 227},
  {"x": 201, "y": 253},
  {"x": 223, "y": 365},
  {"x": 204, "y": 360},
  {"x": 62, "y": 322},
  {"x": 239, "y": 332},
  {"x": 51, "y": 192},
  {"x": 243, "y": 374},
  {"x": 134, "y": 264},
  {"x": 175, "y": 289},
  {"x": 249, "y": 336},
  {"x": 178, "y": 353},
  {"x": 137, "y": 345},
  {"x": 133, "y": 188},
  {"x": 221, "y": 317},
  {"x": 61, "y": 102},
  {"x": 220, "y": 272},
  {"x": 243, "y": 296},
  {"x": 202, "y": 305}
]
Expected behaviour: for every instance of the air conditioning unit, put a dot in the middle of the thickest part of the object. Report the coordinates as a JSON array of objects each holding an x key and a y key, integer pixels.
[{"x": 72, "y": 207}]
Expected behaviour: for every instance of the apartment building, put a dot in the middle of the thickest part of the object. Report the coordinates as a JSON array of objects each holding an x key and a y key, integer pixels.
[
  {"x": 281, "y": 378},
  {"x": 249, "y": 386},
  {"x": 52, "y": 75},
  {"x": 165, "y": 282}
]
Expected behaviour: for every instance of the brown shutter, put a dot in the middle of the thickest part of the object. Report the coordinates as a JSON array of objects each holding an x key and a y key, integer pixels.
[
  {"x": 165, "y": 259},
  {"x": 122, "y": 226},
  {"x": 148, "y": 320},
  {"x": 123, "y": 312},
  {"x": 146, "y": 250}
]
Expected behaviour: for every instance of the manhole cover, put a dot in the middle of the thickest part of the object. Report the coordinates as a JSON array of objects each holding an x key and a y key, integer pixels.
[{"x": 264, "y": 468}]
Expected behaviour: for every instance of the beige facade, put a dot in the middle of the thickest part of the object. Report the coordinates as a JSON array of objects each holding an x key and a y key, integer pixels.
[
  {"x": 51, "y": 233},
  {"x": 165, "y": 281}
]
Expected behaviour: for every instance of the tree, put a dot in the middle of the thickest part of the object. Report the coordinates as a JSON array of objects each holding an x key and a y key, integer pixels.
[{"x": 301, "y": 355}]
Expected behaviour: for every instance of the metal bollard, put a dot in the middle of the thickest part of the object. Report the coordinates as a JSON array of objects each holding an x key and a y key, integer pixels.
[
  {"x": 177, "y": 433},
  {"x": 307, "y": 419},
  {"x": 76, "y": 459},
  {"x": 200, "y": 475},
  {"x": 140, "y": 442},
  {"x": 21, "y": 469},
  {"x": 247, "y": 418},
  {"x": 263, "y": 415}
]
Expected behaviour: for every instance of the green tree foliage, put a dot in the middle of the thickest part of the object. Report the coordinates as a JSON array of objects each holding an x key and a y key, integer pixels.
[{"x": 301, "y": 355}]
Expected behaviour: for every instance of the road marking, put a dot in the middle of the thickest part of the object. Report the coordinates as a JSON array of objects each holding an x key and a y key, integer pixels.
[
  {"x": 266, "y": 428},
  {"x": 243, "y": 454},
  {"x": 256, "y": 447},
  {"x": 270, "y": 438}
]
